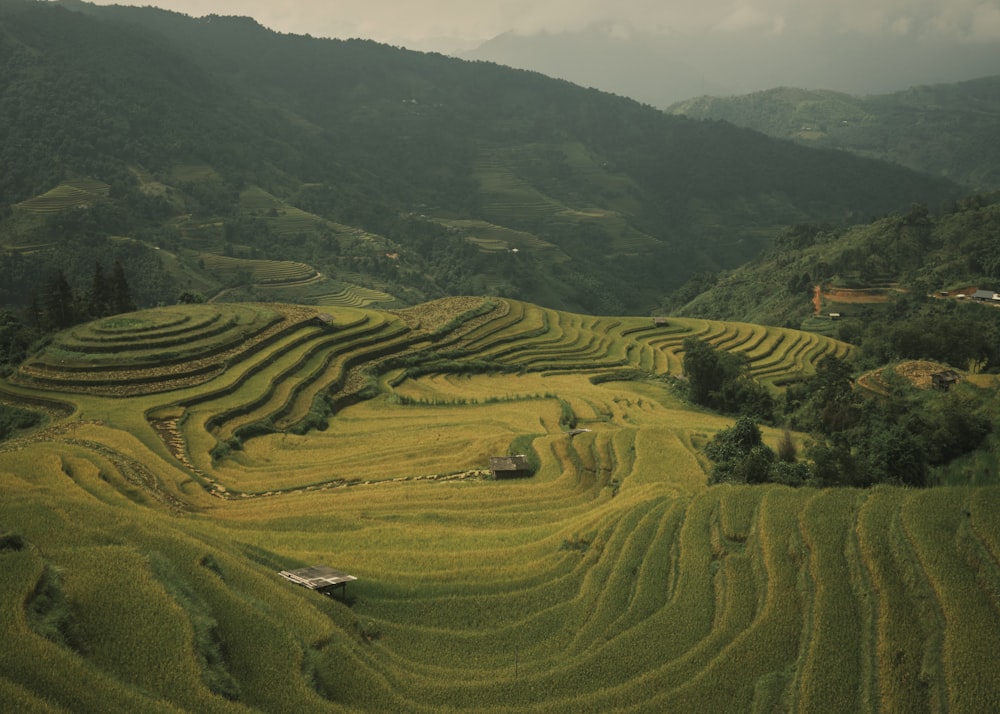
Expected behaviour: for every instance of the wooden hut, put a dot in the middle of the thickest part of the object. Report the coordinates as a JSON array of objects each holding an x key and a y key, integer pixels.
[{"x": 515, "y": 466}]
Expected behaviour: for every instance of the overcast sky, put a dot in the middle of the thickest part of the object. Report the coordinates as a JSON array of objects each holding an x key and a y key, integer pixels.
[{"x": 447, "y": 25}]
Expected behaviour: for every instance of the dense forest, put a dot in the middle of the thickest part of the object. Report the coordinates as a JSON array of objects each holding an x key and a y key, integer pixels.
[{"x": 169, "y": 130}]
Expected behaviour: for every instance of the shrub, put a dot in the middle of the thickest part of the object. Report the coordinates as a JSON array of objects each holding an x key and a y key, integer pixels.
[
  {"x": 13, "y": 418},
  {"x": 48, "y": 609},
  {"x": 12, "y": 542}
]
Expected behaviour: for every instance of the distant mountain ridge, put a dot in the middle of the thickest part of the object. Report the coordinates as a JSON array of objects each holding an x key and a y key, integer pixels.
[
  {"x": 409, "y": 174},
  {"x": 662, "y": 69},
  {"x": 947, "y": 130}
]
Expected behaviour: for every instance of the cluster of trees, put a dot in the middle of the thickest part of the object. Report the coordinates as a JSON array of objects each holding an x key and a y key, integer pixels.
[
  {"x": 951, "y": 331},
  {"x": 860, "y": 440},
  {"x": 61, "y": 306},
  {"x": 13, "y": 418},
  {"x": 720, "y": 380},
  {"x": 56, "y": 305},
  {"x": 856, "y": 439},
  {"x": 741, "y": 456}
]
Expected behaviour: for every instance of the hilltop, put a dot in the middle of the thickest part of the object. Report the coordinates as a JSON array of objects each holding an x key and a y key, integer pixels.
[{"x": 391, "y": 176}]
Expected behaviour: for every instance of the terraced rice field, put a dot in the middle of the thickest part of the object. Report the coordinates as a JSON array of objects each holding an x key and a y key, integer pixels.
[
  {"x": 354, "y": 296},
  {"x": 140, "y": 537},
  {"x": 507, "y": 195},
  {"x": 71, "y": 194},
  {"x": 492, "y": 238},
  {"x": 263, "y": 273},
  {"x": 282, "y": 218}
]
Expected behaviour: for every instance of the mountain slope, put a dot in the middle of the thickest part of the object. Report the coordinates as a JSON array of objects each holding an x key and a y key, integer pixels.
[
  {"x": 371, "y": 161},
  {"x": 872, "y": 274},
  {"x": 947, "y": 129}
]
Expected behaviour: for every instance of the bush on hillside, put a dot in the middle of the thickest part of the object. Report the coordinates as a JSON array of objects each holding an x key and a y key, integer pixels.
[{"x": 720, "y": 380}]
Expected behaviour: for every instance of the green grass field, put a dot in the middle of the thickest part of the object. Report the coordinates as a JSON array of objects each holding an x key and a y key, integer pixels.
[{"x": 141, "y": 536}]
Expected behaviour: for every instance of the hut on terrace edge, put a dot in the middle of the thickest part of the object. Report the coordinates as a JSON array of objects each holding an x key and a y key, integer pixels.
[
  {"x": 514, "y": 466},
  {"x": 319, "y": 577}
]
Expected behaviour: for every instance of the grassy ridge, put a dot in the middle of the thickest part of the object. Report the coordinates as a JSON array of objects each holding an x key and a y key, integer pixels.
[{"x": 139, "y": 573}]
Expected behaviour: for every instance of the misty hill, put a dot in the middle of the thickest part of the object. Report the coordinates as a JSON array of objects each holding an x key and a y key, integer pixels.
[
  {"x": 942, "y": 129},
  {"x": 127, "y": 130},
  {"x": 663, "y": 68}
]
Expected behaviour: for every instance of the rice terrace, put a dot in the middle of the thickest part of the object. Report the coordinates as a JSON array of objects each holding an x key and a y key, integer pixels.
[{"x": 193, "y": 453}]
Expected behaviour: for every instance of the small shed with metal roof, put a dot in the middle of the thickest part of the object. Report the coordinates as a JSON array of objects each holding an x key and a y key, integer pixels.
[{"x": 319, "y": 577}]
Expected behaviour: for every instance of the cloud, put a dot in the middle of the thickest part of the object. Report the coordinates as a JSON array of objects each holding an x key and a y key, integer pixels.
[{"x": 409, "y": 23}]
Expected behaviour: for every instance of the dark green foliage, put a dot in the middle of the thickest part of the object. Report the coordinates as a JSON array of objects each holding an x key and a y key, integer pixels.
[
  {"x": 740, "y": 455},
  {"x": 893, "y": 452},
  {"x": 59, "y": 304},
  {"x": 736, "y": 442},
  {"x": 398, "y": 145},
  {"x": 826, "y": 403},
  {"x": 567, "y": 418},
  {"x": 48, "y": 610},
  {"x": 955, "y": 424},
  {"x": 14, "y": 418},
  {"x": 719, "y": 380},
  {"x": 16, "y": 339},
  {"x": 899, "y": 438},
  {"x": 100, "y": 297},
  {"x": 120, "y": 294},
  {"x": 222, "y": 449},
  {"x": 12, "y": 542},
  {"x": 208, "y": 646},
  {"x": 963, "y": 335},
  {"x": 858, "y": 439},
  {"x": 787, "y": 451},
  {"x": 908, "y": 255},
  {"x": 707, "y": 370},
  {"x": 915, "y": 127}
]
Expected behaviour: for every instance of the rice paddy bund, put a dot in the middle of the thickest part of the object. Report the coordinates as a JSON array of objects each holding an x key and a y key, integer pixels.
[{"x": 208, "y": 447}]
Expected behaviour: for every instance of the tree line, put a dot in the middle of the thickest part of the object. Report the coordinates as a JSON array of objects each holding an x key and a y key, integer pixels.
[
  {"x": 56, "y": 305},
  {"x": 855, "y": 438}
]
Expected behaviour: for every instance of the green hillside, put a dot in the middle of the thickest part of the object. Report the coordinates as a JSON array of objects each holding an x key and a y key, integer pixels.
[
  {"x": 142, "y": 530},
  {"x": 154, "y": 138},
  {"x": 896, "y": 284},
  {"x": 945, "y": 130}
]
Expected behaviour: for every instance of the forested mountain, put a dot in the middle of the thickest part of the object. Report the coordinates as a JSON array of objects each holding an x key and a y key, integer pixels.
[
  {"x": 127, "y": 130},
  {"x": 944, "y": 129}
]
